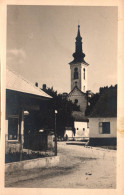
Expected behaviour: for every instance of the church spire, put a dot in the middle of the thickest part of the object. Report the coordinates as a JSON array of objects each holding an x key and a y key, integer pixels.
[
  {"x": 78, "y": 33},
  {"x": 78, "y": 55}
]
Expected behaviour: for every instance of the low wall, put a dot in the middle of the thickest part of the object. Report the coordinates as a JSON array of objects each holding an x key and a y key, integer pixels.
[{"x": 30, "y": 164}]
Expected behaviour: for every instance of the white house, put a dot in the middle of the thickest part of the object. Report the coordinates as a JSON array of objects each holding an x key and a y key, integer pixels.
[
  {"x": 81, "y": 130},
  {"x": 103, "y": 119},
  {"x": 69, "y": 134}
]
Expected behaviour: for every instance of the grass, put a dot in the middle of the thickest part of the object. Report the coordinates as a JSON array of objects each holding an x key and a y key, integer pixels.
[{"x": 17, "y": 156}]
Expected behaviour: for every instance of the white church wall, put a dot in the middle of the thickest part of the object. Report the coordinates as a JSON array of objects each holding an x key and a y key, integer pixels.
[
  {"x": 83, "y": 80},
  {"x": 82, "y": 101},
  {"x": 78, "y": 81}
]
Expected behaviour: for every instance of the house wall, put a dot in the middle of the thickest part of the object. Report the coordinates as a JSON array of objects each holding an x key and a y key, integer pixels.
[
  {"x": 11, "y": 146},
  {"x": 69, "y": 133},
  {"x": 80, "y": 132},
  {"x": 14, "y": 145},
  {"x": 94, "y": 127}
]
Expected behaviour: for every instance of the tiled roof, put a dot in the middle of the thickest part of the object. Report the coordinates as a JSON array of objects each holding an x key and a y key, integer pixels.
[
  {"x": 18, "y": 83},
  {"x": 106, "y": 106}
]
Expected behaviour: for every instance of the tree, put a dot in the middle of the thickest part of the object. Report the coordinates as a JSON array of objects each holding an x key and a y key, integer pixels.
[{"x": 64, "y": 108}]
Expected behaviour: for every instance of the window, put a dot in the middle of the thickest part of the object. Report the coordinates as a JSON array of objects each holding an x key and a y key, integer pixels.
[
  {"x": 12, "y": 128},
  {"x": 104, "y": 127},
  {"x": 84, "y": 73},
  {"x": 77, "y": 128},
  {"x": 76, "y": 83},
  {"x": 76, "y": 101},
  {"x": 76, "y": 73},
  {"x": 83, "y": 129},
  {"x": 87, "y": 124},
  {"x": 84, "y": 88}
]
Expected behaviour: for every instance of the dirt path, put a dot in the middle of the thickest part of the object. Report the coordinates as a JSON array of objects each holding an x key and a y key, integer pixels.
[{"x": 79, "y": 167}]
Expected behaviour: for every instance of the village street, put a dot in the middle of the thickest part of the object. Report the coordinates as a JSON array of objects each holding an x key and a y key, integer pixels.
[{"x": 79, "y": 167}]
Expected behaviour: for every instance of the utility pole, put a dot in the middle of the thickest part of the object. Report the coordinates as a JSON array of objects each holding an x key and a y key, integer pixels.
[{"x": 55, "y": 134}]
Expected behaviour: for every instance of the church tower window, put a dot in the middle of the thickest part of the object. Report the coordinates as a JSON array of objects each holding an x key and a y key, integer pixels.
[
  {"x": 76, "y": 73},
  {"x": 84, "y": 73},
  {"x": 76, "y": 101}
]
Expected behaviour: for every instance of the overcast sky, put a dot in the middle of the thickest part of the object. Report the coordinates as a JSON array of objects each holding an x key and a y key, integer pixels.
[{"x": 41, "y": 41}]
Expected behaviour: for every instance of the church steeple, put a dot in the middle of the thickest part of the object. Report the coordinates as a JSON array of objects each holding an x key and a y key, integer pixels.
[
  {"x": 78, "y": 55},
  {"x": 78, "y": 33},
  {"x": 78, "y": 66}
]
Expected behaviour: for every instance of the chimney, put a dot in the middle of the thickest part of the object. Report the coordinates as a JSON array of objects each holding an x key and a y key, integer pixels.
[
  {"x": 36, "y": 84},
  {"x": 44, "y": 86}
]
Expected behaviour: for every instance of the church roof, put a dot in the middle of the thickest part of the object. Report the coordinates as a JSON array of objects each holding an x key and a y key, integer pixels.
[
  {"x": 76, "y": 88},
  {"x": 78, "y": 55},
  {"x": 16, "y": 82},
  {"x": 76, "y": 61}
]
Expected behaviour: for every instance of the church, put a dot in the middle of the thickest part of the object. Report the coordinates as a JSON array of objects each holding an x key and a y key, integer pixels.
[{"x": 79, "y": 93}]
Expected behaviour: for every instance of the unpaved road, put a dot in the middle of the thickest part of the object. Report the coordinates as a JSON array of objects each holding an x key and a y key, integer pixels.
[{"x": 79, "y": 167}]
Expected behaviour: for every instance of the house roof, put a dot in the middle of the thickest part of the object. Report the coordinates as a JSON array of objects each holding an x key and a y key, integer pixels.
[
  {"x": 16, "y": 82},
  {"x": 106, "y": 106}
]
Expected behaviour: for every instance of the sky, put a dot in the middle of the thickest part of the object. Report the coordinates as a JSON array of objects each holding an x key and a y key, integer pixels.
[{"x": 41, "y": 41}]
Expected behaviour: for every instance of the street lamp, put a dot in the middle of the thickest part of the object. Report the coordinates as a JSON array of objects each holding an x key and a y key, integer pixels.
[{"x": 55, "y": 134}]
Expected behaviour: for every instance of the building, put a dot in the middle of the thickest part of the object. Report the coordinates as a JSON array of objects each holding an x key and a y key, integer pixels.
[
  {"x": 103, "y": 119},
  {"x": 24, "y": 103},
  {"x": 81, "y": 128},
  {"x": 78, "y": 94},
  {"x": 69, "y": 133},
  {"x": 78, "y": 66}
]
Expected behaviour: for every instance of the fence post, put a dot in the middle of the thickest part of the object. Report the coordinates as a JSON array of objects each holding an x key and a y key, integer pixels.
[{"x": 21, "y": 131}]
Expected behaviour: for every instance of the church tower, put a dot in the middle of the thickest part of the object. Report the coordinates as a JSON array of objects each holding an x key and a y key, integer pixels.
[
  {"x": 78, "y": 94},
  {"x": 78, "y": 66}
]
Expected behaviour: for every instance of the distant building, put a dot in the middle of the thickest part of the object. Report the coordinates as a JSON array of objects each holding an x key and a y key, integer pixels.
[
  {"x": 81, "y": 125},
  {"x": 64, "y": 95},
  {"x": 103, "y": 119},
  {"x": 69, "y": 133}
]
